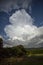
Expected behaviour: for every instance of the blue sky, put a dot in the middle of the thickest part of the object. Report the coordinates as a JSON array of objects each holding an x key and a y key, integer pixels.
[
  {"x": 37, "y": 12},
  {"x": 21, "y": 20}
]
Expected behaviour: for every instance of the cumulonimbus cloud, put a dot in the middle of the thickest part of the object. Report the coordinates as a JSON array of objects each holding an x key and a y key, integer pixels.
[{"x": 21, "y": 30}]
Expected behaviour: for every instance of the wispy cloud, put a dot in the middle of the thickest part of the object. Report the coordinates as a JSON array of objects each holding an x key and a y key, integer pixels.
[{"x": 8, "y": 5}]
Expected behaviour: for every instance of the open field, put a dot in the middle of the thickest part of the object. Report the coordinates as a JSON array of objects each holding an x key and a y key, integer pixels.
[
  {"x": 33, "y": 60},
  {"x": 33, "y": 57}
]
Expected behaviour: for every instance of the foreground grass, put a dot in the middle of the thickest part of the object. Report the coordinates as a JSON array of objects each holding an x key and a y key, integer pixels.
[
  {"x": 33, "y": 60},
  {"x": 33, "y": 57}
]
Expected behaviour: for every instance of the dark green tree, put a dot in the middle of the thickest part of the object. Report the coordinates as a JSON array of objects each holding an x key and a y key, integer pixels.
[
  {"x": 1, "y": 43},
  {"x": 18, "y": 50}
]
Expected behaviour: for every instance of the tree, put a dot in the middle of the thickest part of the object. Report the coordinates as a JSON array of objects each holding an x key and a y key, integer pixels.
[
  {"x": 1, "y": 42},
  {"x": 18, "y": 50}
]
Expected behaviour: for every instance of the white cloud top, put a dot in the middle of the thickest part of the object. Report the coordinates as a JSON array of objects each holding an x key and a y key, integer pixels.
[{"x": 22, "y": 28}]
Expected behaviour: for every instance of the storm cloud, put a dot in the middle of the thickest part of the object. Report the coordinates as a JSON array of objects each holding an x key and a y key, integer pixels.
[
  {"x": 22, "y": 31},
  {"x": 20, "y": 27}
]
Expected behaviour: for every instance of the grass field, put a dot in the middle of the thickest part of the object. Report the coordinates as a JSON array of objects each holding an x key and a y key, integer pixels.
[
  {"x": 33, "y": 57},
  {"x": 33, "y": 60}
]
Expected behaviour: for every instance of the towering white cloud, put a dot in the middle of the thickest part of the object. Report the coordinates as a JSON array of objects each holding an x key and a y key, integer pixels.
[
  {"x": 21, "y": 25},
  {"x": 21, "y": 30}
]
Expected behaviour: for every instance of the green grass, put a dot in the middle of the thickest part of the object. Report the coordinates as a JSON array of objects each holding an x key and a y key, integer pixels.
[
  {"x": 33, "y": 60},
  {"x": 33, "y": 57}
]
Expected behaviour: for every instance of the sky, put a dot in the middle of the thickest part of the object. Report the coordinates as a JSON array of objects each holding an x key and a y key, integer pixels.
[{"x": 21, "y": 23}]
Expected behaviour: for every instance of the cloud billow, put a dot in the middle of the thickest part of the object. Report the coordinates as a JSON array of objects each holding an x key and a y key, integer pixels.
[{"x": 21, "y": 30}]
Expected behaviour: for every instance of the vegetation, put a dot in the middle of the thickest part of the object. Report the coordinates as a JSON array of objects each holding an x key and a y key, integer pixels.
[
  {"x": 14, "y": 51},
  {"x": 1, "y": 42},
  {"x": 18, "y": 55}
]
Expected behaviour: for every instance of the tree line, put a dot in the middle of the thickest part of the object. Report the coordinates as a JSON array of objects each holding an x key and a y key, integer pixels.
[{"x": 11, "y": 51}]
